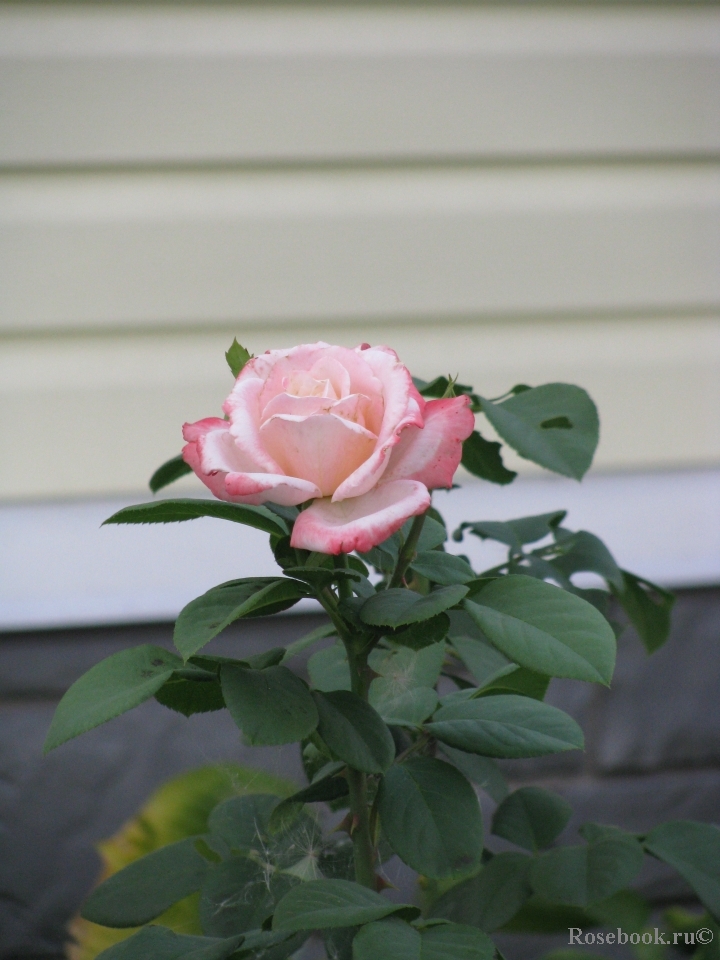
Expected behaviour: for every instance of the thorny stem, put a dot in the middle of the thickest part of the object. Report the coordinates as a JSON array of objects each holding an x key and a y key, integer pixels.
[
  {"x": 363, "y": 846},
  {"x": 407, "y": 553}
]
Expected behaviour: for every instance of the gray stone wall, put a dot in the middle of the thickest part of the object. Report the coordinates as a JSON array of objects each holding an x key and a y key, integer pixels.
[{"x": 653, "y": 753}]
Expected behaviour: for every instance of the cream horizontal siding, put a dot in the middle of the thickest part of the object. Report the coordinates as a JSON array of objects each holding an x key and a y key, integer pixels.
[
  {"x": 175, "y": 85},
  {"x": 135, "y": 249},
  {"x": 508, "y": 193}
]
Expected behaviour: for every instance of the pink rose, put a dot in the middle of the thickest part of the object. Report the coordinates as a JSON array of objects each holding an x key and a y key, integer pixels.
[{"x": 344, "y": 428}]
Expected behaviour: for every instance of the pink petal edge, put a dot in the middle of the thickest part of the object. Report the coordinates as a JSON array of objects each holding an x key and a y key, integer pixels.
[
  {"x": 432, "y": 454},
  {"x": 359, "y": 523}
]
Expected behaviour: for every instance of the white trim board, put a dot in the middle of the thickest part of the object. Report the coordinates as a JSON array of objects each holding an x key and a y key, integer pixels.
[
  {"x": 59, "y": 569},
  {"x": 160, "y": 84}
]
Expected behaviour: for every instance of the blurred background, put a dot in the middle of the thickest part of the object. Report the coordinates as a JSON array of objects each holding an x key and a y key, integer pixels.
[{"x": 511, "y": 192}]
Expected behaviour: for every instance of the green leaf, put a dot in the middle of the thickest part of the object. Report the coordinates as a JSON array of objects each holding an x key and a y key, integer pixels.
[
  {"x": 492, "y": 897},
  {"x": 238, "y": 895},
  {"x": 649, "y": 608},
  {"x": 266, "y": 945},
  {"x": 314, "y": 636},
  {"x": 403, "y": 708},
  {"x": 583, "y": 551},
  {"x": 545, "y": 629},
  {"x": 176, "y": 511},
  {"x": 354, "y": 731},
  {"x": 431, "y": 817},
  {"x": 329, "y": 669},
  {"x": 160, "y": 943},
  {"x": 270, "y": 706},
  {"x": 535, "y": 423},
  {"x": 514, "y": 533},
  {"x": 328, "y": 904},
  {"x": 242, "y": 822},
  {"x": 207, "y": 616},
  {"x": 484, "y": 662},
  {"x": 191, "y": 696},
  {"x": 531, "y": 818},
  {"x": 397, "y": 607},
  {"x": 442, "y": 568},
  {"x": 482, "y": 458},
  {"x": 424, "y": 634},
  {"x": 432, "y": 535},
  {"x": 111, "y": 687},
  {"x": 506, "y": 726},
  {"x": 447, "y": 941},
  {"x": 454, "y": 942},
  {"x": 387, "y": 938},
  {"x": 402, "y": 693},
  {"x": 409, "y": 668},
  {"x": 332, "y": 787},
  {"x": 168, "y": 473},
  {"x": 693, "y": 849},
  {"x": 482, "y": 771},
  {"x": 237, "y": 357},
  {"x": 148, "y": 887},
  {"x": 579, "y": 876},
  {"x": 521, "y": 680}
]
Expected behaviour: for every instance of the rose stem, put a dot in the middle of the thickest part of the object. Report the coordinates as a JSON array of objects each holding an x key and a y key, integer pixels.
[
  {"x": 407, "y": 553},
  {"x": 363, "y": 847}
]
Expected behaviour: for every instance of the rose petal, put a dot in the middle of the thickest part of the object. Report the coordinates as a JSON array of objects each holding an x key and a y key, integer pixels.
[
  {"x": 323, "y": 448},
  {"x": 279, "y": 365},
  {"x": 359, "y": 523},
  {"x": 286, "y": 403},
  {"x": 243, "y": 408},
  {"x": 403, "y": 408},
  {"x": 432, "y": 454},
  {"x": 192, "y": 453},
  {"x": 257, "y": 488}
]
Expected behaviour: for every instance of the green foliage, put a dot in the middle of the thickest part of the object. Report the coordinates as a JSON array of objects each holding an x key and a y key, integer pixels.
[
  {"x": 531, "y": 818},
  {"x": 482, "y": 458},
  {"x": 113, "y": 686},
  {"x": 327, "y": 904},
  {"x": 490, "y": 898},
  {"x": 168, "y": 473},
  {"x": 693, "y": 849},
  {"x": 545, "y": 629},
  {"x": 271, "y": 706},
  {"x": 354, "y": 732},
  {"x": 434, "y": 671},
  {"x": 442, "y": 568},
  {"x": 207, "y": 616},
  {"x": 431, "y": 817},
  {"x": 555, "y": 425},
  {"x": 481, "y": 771},
  {"x": 159, "y": 943},
  {"x": 583, "y": 875},
  {"x": 648, "y": 607},
  {"x": 438, "y": 942},
  {"x": 146, "y": 888},
  {"x": 506, "y": 726},
  {"x": 176, "y": 511},
  {"x": 398, "y": 607},
  {"x": 237, "y": 356}
]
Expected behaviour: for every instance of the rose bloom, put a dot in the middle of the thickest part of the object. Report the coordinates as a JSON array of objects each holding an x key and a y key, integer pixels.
[{"x": 345, "y": 429}]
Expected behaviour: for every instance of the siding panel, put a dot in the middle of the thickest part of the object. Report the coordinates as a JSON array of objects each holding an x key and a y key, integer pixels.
[
  {"x": 215, "y": 84},
  {"x": 181, "y": 249}
]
